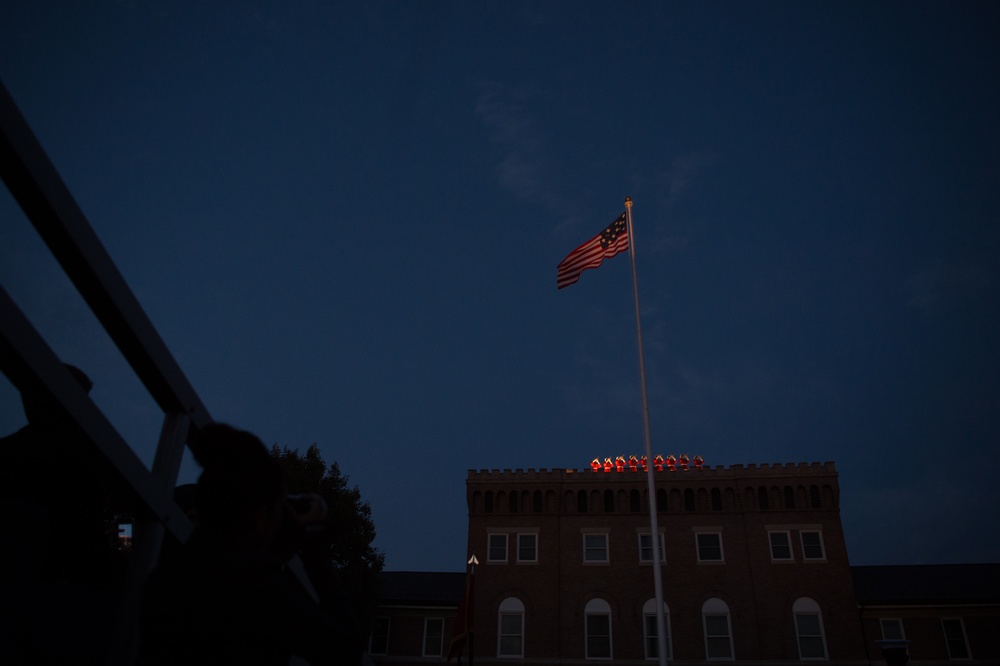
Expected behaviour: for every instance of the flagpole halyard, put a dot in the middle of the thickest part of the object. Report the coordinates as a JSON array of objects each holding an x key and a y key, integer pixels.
[{"x": 661, "y": 628}]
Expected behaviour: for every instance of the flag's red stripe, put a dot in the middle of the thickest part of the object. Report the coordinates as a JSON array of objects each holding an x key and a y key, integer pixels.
[{"x": 588, "y": 255}]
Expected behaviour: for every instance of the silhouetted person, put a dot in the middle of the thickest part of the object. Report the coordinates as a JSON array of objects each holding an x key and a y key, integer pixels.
[
  {"x": 49, "y": 464},
  {"x": 226, "y": 597},
  {"x": 59, "y": 563}
]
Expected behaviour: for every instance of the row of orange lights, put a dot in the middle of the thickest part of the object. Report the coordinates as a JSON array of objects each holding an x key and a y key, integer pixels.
[{"x": 671, "y": 463}]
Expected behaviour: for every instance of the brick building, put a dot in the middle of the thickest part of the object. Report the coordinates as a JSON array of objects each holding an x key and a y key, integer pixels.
[
  {"x": 756, "y": 565},
  {"x": 756, "y": 570}
]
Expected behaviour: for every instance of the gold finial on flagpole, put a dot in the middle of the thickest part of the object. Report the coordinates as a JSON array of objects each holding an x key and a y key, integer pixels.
[{"x": 628, "y": 202}]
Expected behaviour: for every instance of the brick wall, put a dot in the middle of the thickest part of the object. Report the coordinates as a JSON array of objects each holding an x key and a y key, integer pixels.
[{"x": 759, "y": 593}]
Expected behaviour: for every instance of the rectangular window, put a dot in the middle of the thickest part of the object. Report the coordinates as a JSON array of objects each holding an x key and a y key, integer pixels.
[
  {"x": 598, "y": 637},
  {"x": 892, "y": 629},
  {"x": 496, "y": 548},
  {"x": 954, "y": 636},
  {"x": 595, "y": 547},
  {"x": 433, "y": 637},
  {"x": 378, "y": 644},
  {"x": 810, "y": 633},
  {"x": 511, "y": 639},
  {"x": 781, "y": 546},
  {"x": 649, "y": 635},
  {"x": 527, "y": 547},
  {"x": 646, "y": 548},
  {"x": 709, "y": 546},
  {"x": 717, "y": 642},
  {"x": 812, "y": 546}
]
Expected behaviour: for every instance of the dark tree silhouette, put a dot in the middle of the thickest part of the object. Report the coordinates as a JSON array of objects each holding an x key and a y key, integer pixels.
[{"x": 349, "y": 529}]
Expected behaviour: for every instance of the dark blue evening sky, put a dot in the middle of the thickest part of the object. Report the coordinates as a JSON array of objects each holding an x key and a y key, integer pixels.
[{"x": 345, "y": 218}]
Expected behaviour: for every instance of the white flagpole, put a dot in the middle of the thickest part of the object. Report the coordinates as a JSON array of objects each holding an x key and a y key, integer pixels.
[{"x": 661, "y": 624}]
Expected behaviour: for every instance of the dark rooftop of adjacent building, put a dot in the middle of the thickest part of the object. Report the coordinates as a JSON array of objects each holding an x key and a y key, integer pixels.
[
  {"x": 927, "y": 584},
  {"x": 422, "y": 588}
]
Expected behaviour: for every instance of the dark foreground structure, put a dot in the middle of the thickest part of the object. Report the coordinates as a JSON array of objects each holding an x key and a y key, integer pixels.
[{"x": 756, "y": 571}]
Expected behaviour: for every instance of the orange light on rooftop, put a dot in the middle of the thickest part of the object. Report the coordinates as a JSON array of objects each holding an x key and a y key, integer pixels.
[{"x": 672, "y": 463}]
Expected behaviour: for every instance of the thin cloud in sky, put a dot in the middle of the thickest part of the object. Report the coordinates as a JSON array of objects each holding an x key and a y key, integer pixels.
[
  {"x": 522, "y": 168},
  {"x": 683, "y": 170},
  {"x": 514, "y": 129}
]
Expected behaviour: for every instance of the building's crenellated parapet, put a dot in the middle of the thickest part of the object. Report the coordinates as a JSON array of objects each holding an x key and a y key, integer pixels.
[
  {"x": 681, "y": 485},
  {"x": 718, "y": 471}
]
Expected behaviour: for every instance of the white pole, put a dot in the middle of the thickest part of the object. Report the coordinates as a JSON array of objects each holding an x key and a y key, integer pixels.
[{"x": 661, "y": 624}]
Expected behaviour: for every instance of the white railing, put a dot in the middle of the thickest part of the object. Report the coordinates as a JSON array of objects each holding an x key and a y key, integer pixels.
[{"x": 30, "y": 364}]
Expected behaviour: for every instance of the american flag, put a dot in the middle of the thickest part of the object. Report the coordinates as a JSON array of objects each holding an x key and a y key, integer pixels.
[{"x": 606, "y": 244}]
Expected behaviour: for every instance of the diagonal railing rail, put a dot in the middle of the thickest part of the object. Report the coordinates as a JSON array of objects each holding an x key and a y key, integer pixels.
[{"x": 31, "y": 365}]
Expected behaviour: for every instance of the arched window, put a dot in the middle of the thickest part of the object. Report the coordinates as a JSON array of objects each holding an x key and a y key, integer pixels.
[
  {"x": 762, "y": 498},
  {"x": 649, "y": 633},
  {"x": 489, "y": 501},
  {"x": 581, "y": 501},
  {"x": 634, "y": 502},
  {"x": 536, "y": 501},
  {"x": 829, "y": 498},
  {"x": 716, "y": 499},
  {"x": 513, "y": 501},
  {"x": 789, "y": 498},
  {"x": 609, "y": 501},
  {"x": 809, "y": 629},
  {"x": 661, "y": 501},
  {"x": 597, "y": 629},
  {"x": 689, "y": 500},
  {"x": 718, "y": 630},
  {"x": 510, "y": 628},
  {"x": 814, "y": 499}
]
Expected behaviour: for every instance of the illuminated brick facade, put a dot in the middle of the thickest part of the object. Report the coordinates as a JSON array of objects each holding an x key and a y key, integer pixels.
[{"x": 756, "y": 565}]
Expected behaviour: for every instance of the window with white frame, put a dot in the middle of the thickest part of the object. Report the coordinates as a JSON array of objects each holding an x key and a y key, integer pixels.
[
  {"x": 378, "y": 643},
  {"x": 496, "y": 550},
  {"x": 809, "y": 629},
  {"x": 718, "y": 630},
  {"x": 646, "y": 547},
  {"x": 510, "y": 628},
  {"x": 650, "y": 634},
  {"x": 433, "y": 637},
  {"x": 954, "y": 636},
  {"x": 527, "y": 547},
  {"x": 892, "y": 629},
  {"x": 812, "y": 545},
  {"x": 595, "y": 547},
  {"x": 709, "y": 546},
  {"x": 597, "y": 629},
  {"x": 781, "y": 546}
]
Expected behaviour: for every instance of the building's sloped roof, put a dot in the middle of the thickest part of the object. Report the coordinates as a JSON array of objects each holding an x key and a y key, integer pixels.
[
  {"x": 927, "y": 584},
  {"x": 422, "y": 588}
]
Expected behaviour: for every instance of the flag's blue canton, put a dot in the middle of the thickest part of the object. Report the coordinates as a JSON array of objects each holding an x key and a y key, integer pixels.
[{"x": 609, "y": 235}]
